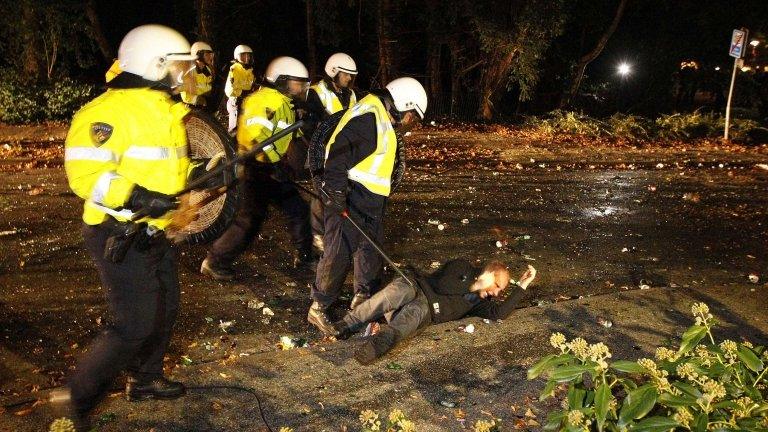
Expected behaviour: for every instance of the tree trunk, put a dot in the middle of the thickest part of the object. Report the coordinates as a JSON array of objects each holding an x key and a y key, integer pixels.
[
  {"x": 311, "y": 46},
  {"x": 493, "y": 78},
  {"x": 97, "y": 32},
  {"x": 32, "y": 60},
  {"x": 206, "y": 20},
  {"x": 587, "y": 58},
  {"x": 433, "y": 68},
  {"x": 385, "y": 49}
]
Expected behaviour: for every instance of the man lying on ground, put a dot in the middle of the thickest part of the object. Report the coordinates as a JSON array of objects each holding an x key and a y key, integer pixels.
[{"x": 454, "y": 291}]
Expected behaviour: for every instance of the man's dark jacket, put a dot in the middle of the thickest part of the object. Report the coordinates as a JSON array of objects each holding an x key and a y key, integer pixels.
[{"x": 447, "y": 290}]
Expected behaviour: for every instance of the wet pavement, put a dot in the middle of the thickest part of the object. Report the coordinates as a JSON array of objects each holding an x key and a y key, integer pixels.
[{"x": 597, "y": 224}]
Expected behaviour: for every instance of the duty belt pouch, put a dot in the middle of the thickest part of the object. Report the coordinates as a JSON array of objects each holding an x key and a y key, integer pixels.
[{"x": 120, "y": 241}]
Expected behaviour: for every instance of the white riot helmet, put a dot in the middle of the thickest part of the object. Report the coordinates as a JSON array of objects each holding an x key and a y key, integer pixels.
[
  {"x": 340, "y": 62},
  {"x": 285, "y": 68},
  {"x": 200, "y": 46},
  {"x": 408, "y": 94},
  {"x": 240, "y": 49},
  {"x": 150, "y": 50}
]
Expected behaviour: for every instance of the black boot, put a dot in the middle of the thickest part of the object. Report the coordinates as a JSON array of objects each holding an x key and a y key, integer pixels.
[
  {"x": 318, "y": 316},
  {"x": 343, "y": 332},
  {"x": 377, "y": 345},
  {"x": 67, "y": 415},
  {"x": 156, "y": 388}
]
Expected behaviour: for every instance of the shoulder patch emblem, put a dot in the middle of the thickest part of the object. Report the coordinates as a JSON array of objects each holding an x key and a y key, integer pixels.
[{"x": 100, "y": 132}]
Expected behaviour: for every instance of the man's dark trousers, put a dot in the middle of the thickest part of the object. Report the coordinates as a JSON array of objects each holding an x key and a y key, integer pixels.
[
  {"x": 143, "y": 298},
  {"x": 345, "y": 245},
  {"x": 263, "y": 185}
]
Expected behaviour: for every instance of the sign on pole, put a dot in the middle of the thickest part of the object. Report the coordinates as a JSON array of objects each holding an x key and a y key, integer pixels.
[
  {"x": 738, "y": 42},
  {"x": 736, "y": 50}
]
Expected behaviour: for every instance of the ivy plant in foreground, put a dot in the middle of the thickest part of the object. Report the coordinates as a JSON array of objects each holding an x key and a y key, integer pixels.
[{"x": 701, "y": 386}]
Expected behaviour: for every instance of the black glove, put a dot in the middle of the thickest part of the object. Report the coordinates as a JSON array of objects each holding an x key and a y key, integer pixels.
[
  {"x": 336, "y": 201},
  {"x": 153, "y": 204}
]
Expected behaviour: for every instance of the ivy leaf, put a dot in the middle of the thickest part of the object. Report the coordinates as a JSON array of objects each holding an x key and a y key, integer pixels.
[
  {"x": 670, "y": 400},
  {"x": 547, "y": 390},
  {"x": 701, "y": 422},
  {"x": 655, "y": 424},
  {"x": 637, "y": 404},
  {"x": 750, "y": 359},
  {"x": 541, "y": 366},
  {"x": 627, "y": 366},
  {"x": 569, "y": 373},
  {"x": 576, "y": 398},
  {"x": 691, "y": 338},
  {"x": 603, "y": 398}
]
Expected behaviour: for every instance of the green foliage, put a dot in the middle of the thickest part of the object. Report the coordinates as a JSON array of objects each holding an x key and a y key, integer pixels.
[
  {"x": 60, "y": 38},
  {"x": 28, "y": 103},
  {"x": 679, "y": 126},
  {"x": 701, "y": 386},
  {"x": 523, "y": 28}
]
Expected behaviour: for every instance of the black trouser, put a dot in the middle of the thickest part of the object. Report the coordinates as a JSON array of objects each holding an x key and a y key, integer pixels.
[
  {"x": 343, "y": 244},
  {"x": 405, "y": 308},
  {"x": 262, "y": 185},
  {"x": 143, "y": 297}
]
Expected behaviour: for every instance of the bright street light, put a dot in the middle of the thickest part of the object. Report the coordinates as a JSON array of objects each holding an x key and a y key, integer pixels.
[
  {"x": 624, "y": 69},
  {"x": 754, "y": 42}
]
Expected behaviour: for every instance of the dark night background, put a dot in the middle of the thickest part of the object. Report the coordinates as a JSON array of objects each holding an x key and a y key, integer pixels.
[{"x": 437, "y": 41}]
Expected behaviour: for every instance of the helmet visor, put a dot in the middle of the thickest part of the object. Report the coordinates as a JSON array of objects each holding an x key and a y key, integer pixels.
[{"x": 181, "y": 75}]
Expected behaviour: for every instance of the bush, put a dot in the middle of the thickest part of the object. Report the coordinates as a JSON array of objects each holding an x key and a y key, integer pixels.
[
  {"x": 688, "y": 125},
  {"x": 700, "y": 386},
  {"x": 65, "y": 97},
  {"x": 571, "y": 122},
  {"x": 28, "y": 103},
  {"x": 631, "y": 127}
]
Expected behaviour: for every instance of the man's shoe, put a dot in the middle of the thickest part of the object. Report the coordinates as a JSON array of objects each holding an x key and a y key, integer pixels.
[
  {"x": 158, "y": 388},
  {"x": 319, "y": 318},
  {"x": 377, "y": 345},
  {"x": 358, "y": 299},
  {"x": 343, "y": 332},
  {"x": 67, "y": 416},
  {"x": 223, "y": 274}
]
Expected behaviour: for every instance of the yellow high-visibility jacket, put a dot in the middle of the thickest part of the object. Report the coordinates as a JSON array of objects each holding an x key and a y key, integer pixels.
[
  {"x": 265, "y": 113},
  {"x": 329, "y": 99},
  {"x": 375, "y": 171},
  {"x": 203, "y": 86},
  {"x": 113, "y": 71},
  {"x": 239, "y": 80},
  {"x": 122, "y": 138}
]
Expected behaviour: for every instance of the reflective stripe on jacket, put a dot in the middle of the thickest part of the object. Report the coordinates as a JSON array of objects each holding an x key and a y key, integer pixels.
[
  {"x": 265, "y": 113},
  {"x": 239, "y": 80},
  {"x": 330, "y": 100},
  {"x": 122, "y": 138},
  {"x": 375, "y": 171}
]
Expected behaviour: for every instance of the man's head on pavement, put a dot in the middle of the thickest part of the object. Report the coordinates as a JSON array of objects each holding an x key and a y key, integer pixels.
[{"x": 492, "y": 281}]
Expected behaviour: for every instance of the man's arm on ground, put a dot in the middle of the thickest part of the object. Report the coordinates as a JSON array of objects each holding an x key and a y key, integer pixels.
[{"x": 494, "y": 310}]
